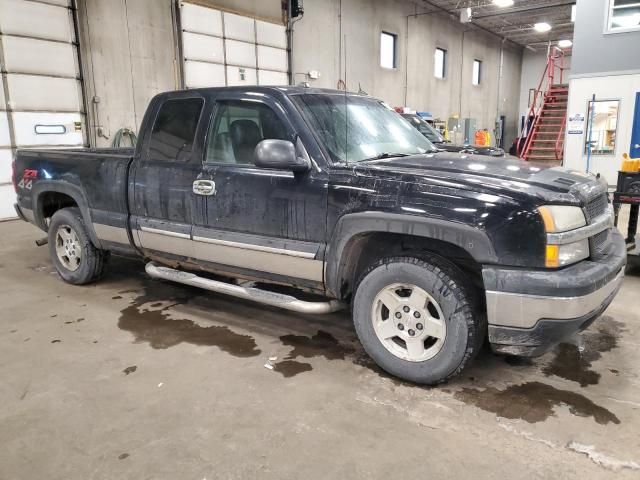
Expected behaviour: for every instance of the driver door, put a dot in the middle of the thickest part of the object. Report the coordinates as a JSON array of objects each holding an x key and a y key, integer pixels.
[{"x": 266, "y": 223}]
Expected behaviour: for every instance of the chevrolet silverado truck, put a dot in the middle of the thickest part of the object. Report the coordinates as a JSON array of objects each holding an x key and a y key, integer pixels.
[{"x": 335, "y": 194}]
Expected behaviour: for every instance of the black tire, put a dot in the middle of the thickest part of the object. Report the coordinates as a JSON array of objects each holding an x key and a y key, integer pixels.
[
  {"x": 92, "y": 260},
  {"x": 447, "y": 285}
]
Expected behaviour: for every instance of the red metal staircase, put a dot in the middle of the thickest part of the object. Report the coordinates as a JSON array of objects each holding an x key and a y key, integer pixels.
[{"x": 543, "y": 140}]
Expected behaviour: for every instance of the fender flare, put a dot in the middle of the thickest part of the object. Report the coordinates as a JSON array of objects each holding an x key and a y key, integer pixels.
[
  {"x": 472, "y": 240},
  {"x": 75, "y": 192}
]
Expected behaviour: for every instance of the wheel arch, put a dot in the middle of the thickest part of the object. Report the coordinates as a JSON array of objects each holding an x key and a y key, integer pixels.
[
  {"x": 49, "y": 197},
  {"x": 362, "y": 238}
]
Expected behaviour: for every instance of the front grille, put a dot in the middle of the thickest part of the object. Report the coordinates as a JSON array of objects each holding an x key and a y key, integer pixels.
[
  {"x": 596, "y": 207},
  {"x": 598, "y": 242}
]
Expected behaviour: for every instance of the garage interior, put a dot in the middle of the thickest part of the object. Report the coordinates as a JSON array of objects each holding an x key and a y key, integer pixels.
[{"x": 133, "y": 377}]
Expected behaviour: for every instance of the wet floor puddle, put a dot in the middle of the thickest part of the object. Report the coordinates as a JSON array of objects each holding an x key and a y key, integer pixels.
[
  {"x": 573, "y": 360},
  {"x": 152, "y": 324},
  {"x": 322, "y": 344},
  {"x": 533, "y": 402},
  {"x": 148, "y": 319}
]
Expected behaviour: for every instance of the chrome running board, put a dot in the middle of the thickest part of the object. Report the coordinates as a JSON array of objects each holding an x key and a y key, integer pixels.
[{"x": 246, "y": 293}]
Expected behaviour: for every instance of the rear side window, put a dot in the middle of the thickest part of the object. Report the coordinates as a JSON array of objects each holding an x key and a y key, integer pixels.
[{"x": 174, "y": 130}]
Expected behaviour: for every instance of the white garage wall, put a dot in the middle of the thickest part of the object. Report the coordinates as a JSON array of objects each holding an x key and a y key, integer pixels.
[
  {"x": 41, "y": 86},
  {"x": 610, "y": 87},
  {"x": 224, "y": 49}
]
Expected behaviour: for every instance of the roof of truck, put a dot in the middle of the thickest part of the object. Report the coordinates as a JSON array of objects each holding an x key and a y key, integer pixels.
[{"x": 285, "y": 89}]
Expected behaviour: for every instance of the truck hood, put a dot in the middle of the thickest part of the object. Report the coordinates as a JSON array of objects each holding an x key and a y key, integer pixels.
[{"x": 507, "y": 175}]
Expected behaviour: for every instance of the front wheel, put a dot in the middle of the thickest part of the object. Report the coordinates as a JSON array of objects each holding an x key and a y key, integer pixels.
[
  {"x": 417, "y": 318},
  {"x": 75, "y": 258}
]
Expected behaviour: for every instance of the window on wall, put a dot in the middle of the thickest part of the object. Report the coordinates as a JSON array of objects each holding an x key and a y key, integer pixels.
[
  {"x": 388, "y": 46},
  {"x": 624, "y": 16},
  {"x": 440, "y": 61},
  {"x": 477, "y": 72},
  {"x": 601, "y": 134}
]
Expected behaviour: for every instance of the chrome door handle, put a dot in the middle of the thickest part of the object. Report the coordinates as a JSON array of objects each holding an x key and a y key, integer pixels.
[{"x": 204, "y": 187}]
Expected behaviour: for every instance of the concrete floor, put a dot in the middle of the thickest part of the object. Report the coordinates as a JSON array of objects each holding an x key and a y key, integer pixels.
[{"x": 134, "y": 378}]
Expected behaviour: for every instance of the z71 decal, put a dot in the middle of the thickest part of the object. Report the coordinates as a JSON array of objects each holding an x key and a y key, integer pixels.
[{"x": 27, "y": 178}]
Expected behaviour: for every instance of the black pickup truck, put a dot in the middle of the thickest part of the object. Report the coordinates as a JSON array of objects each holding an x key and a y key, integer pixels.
[{"x": 335, "y": 194}]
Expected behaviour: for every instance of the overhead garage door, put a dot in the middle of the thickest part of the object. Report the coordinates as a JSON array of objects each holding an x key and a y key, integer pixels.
[
  {"x": 223, "y": 49},
  {"x": 41, "y": 97}
]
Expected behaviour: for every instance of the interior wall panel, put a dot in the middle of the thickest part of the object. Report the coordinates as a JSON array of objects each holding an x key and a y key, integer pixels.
[
  {"x": 239, "y": 27},
  {"x": 241, "y": 76},
  {"x": 198, "y": 19},
  {"x": 215, "y": 42},
  {"x": 203, "y": 48},
  {"x": 30, "y": 55},
  {"x": 5, "y": 165},
  {"x": 39, "y": 92},
  {"x": 35, "y": 19},
  {"x": 44, "y": 94}
]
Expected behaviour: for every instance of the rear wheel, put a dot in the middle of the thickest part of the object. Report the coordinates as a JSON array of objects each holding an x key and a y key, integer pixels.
[
  {"x": 75, "y": 258},
  {"x": 415, "y": 318}
]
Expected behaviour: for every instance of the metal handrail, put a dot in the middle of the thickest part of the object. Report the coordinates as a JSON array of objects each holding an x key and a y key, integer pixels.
[
  {"x": 560, "y": 137},
  {"x": 549, "y": 75}
]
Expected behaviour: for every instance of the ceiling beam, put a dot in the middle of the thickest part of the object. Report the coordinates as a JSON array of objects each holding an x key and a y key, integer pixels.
[{"x": 533, "y": 8}]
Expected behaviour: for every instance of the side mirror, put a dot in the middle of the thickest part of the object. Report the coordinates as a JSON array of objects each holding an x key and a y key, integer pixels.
[{"x": 280, "y": 155}]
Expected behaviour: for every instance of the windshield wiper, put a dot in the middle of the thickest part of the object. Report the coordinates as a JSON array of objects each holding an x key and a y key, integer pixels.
[{"x": 385, "y": 155}]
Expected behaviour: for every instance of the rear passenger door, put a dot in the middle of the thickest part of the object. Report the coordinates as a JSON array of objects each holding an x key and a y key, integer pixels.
[
  {"x": 265, "y": 221},
  {"x": 163, "y": 204}
]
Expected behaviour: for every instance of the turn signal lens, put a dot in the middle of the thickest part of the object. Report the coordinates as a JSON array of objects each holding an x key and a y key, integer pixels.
[
  {"x": 552, "y": 259},
  {"x": 547, "y": 218}
]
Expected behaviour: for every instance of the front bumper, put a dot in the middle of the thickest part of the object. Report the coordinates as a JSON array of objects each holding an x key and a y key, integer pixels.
[{"x": 530, "y": 311}]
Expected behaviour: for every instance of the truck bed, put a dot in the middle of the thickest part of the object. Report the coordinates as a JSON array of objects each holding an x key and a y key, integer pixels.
[{"x": 95, "y": 179}]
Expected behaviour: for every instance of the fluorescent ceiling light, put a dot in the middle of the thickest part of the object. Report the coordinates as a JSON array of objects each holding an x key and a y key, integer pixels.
[
  {"x": 542, "y": 27},
  {"x": 565, "y": 43},
  {"x": 503, "y": 3}
]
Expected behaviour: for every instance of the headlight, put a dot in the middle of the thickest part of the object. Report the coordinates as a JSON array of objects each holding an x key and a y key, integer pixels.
[
  {"x": 561, "y": 218},
  {"x": 560, "y": 255}
]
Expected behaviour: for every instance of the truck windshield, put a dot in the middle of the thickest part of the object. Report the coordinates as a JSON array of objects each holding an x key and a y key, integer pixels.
[
  {"x": 356, "y": 128},
  {"x": 424, "y": 128}
]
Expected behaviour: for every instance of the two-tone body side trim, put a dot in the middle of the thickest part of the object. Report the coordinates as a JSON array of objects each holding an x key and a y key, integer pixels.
[{"x": 292, "y": 258}]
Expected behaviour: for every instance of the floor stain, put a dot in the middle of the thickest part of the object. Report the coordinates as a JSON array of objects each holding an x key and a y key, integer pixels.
[
  {"x": 116, "y": 297},
  {"x": 533, "y": 402},
  {"x": 122, "y": 456},
  {"x": 56, "y": 341},
  {"x": 130, "y": 369},
  {"x": 291, "y": 368},
  {"x": 573, "y": 360},
  {"x": 77, "y": 320},
  {"x": 152, "y": 323},
  {"x": 322, "y": 344}
]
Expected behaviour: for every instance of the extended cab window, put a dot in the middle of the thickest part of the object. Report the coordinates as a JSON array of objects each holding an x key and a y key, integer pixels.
[
  {"x": 238, "y": 128},
  {"x": 174, "y": 129}
]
